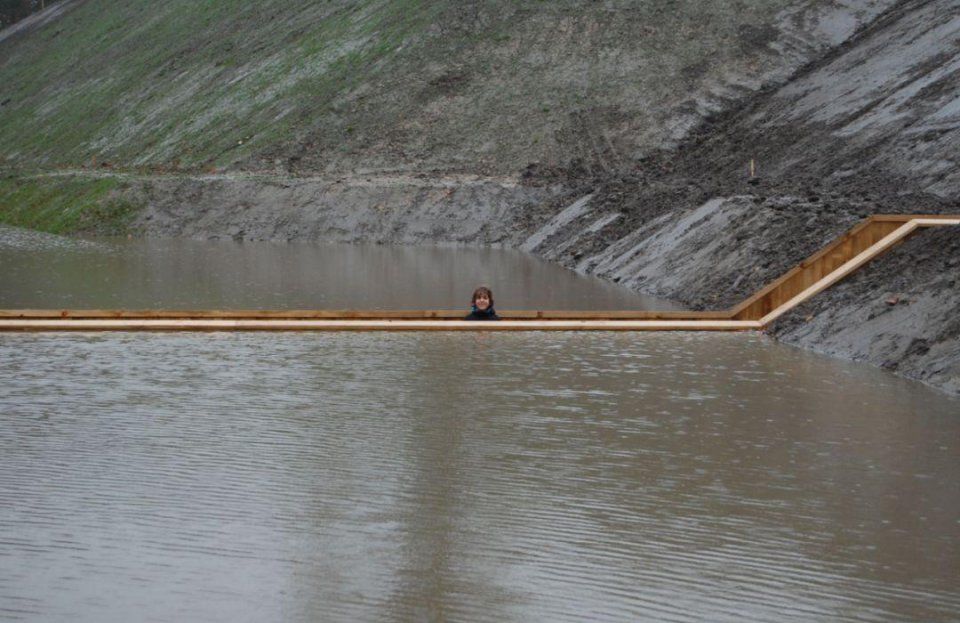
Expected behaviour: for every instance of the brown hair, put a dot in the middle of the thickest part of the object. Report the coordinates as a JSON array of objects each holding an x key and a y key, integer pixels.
[{"x": 478, "y": 292}]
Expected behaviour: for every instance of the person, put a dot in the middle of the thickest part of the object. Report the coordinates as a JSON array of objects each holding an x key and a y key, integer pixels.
[{"x": 482, "y": 303}]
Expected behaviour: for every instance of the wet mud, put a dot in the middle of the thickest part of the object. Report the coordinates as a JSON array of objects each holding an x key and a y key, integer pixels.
[
  {"x": 739, "y": 193},
  {"x": 871, "y": 128}
]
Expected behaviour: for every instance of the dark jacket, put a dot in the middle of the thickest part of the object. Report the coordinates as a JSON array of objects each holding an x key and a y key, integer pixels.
[{"x": 487, "y": 314}]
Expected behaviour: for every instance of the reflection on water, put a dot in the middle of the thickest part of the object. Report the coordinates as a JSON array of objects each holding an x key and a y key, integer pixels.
[
  {"x": 42, "y": 271},
  {"x": 473, "y": 477}
]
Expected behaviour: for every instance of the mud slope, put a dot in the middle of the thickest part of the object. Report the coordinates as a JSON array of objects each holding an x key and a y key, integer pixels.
[
  {"x": 883, "y": 110},
  {"x": 399, "y": 209},
  {"x": 332, "y": 86},
  {"x": 615, "y": 138},
  {"x": 901, "y": 313},
  {"x": 872, "y": 128}
]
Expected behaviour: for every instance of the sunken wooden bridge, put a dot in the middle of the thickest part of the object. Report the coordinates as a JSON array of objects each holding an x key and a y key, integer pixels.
[{"x": 866, "y": 241}]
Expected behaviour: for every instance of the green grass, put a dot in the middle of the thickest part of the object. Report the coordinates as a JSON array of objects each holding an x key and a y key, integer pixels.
[
  {"x": 189, "y": 74},
  {"x": 65, "y": 205},
  {"x": 148, "y": 85}
]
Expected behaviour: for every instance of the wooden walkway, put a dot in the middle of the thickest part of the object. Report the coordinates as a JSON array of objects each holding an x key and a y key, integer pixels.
[{"x": 869, "y": 239}]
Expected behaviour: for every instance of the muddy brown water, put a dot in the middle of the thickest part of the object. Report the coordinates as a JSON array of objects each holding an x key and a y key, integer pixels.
[
  {"x": 469, "y": 477},
  {"x": 42, "y": 271}
]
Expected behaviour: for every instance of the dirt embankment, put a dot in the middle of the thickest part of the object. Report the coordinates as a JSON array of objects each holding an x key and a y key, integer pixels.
[
  {"x": 902, "y": 313},
  {"x": 396, "y": 209},
  {"x": 51, "y": 13},
  {"x": 336, "y": 86},
  {"x": 870, "y": 127}
]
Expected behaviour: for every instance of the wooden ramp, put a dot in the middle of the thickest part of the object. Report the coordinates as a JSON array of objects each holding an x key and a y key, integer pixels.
[{"x": 843, "y": 256}]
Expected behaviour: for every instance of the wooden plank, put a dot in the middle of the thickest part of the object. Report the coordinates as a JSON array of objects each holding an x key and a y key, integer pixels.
[
  {"x": 847, "y": 253},
  {"x": 359, "y": 314},
  {"x": 903, "y": 218},
  {"x": 828, "y": 259},
  {"x": 934, "y": 222},
  {"x": 870, "y": 242},
  {"x": 865, "y": 256},
  {"x": 748, "y": 309},
  {"x": 209, "y": 324}
]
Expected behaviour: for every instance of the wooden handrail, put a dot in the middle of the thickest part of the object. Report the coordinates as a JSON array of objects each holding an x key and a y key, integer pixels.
[
  {"x": 830, "y": 260},
  {"x": 278, "y": 324},
  {"x": 862, "y": 243},
  {"x": 104, "y": 314}
]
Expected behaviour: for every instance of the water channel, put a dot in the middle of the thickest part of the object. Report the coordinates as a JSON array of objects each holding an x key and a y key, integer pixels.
[{"x": 447, "y": 476}]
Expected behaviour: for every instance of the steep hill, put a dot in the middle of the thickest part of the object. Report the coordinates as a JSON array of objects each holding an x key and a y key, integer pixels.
[
  {"x": 338, "y": 85},
  {"x": 872, "y": 127},
  {"x": 689, "y": 149}
]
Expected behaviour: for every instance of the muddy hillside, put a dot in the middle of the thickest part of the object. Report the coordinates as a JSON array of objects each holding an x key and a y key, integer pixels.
[
  {"x": 693, "y": 150},
  {"x": 872, "y": 127},
  {"x": 333, "y": 86}
]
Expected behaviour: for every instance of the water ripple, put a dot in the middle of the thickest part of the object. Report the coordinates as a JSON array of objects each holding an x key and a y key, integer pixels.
[{"x": 556, "y": 477}]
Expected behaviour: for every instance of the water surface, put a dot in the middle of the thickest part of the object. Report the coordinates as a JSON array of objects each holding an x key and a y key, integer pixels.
[
  {"x": 43, "y": 271},
  {"x": 485, "y": 477},
  {"x": 447, "y": 476}
]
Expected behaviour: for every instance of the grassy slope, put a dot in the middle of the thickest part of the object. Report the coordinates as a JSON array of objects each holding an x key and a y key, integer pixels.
[
  {"x": 65, "y": 205},
  {"x": 336, "y": 84}
]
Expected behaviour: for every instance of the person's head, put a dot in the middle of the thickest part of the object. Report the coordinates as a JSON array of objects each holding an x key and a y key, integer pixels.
[{"x": 482, "y": 298}]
